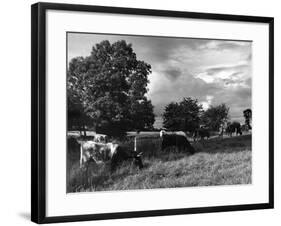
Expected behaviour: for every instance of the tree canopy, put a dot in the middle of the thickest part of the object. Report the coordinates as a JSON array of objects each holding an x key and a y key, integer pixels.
[
  {"x": 215, "y": 116},
  {"x": 108, "y": 89},
  {"x": 184, "y": 115}
]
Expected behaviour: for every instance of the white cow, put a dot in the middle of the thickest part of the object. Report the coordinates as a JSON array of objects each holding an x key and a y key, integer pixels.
[
  {"x": 100, "y": 138},
  {"x": 98, "y": 153}
]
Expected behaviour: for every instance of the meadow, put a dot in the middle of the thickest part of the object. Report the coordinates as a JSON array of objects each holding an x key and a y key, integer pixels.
[{"x": 217, "y": 161}]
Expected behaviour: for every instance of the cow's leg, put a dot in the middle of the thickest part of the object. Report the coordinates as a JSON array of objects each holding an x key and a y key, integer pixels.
[
  {"x": 185, "y": 148},
  {"x": 85, "y": 175},
  {"x": 179, "y": 148},
  {"x": 90, "y": 164},
  {"x": 113, "y": 166},
  {"x": 196, "y": 138},
  {"x": 88, "y": 176},
  {"x": 113, "y": 163},
  {"x": 192, "y": 150}
]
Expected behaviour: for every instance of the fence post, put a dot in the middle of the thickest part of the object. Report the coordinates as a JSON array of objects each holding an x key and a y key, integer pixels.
[{"x": 135, "y": 145}]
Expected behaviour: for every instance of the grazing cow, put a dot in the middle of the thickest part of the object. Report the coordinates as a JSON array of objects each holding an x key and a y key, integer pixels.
[
  {"x": 178, "y": 141},
  {"x": 234, "y": 127},
  {"x": 202, "y": 133},
  {"x": 99, "y": 153}
]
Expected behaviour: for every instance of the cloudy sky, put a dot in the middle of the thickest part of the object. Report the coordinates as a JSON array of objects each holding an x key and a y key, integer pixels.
[{"x": 213, "y": 71}]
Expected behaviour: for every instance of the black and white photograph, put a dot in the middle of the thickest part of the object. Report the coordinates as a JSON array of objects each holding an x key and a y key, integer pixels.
[
  {"x": 145, "y": 112},
  {"x": 151, "y": 112}
]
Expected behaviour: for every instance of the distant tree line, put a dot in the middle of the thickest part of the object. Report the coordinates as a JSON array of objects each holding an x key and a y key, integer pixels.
[{"x": 188, "y": 115}]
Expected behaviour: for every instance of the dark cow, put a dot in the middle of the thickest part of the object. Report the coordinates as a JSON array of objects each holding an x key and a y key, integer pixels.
[
  {"x": 234, "y": 127},
  {"x": 178, "y": 141},
  {"x": 202, "y": 133},
  {"x": 123, "y": 154},
  {"x": 99, "y": 153},
  {"x": 245, "y": 128}
]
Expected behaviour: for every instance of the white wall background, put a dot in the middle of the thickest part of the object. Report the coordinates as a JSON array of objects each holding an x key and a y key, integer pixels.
[{"x": 15, "y": 111}]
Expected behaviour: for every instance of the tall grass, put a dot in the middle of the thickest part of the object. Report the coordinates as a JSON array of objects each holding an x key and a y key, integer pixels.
[{"x": 216, "y": 162}]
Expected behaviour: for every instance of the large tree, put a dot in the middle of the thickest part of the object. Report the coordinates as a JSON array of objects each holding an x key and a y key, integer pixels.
[
  {"x": 184, "y": 115},
  {"x": 76, "y": 117},
  {"x": 215, "y": 116},
  {"x": 110, "y": 86}
]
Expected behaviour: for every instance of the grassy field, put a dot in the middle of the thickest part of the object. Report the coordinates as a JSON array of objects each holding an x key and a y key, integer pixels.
[{"x": 216, "y": 162}]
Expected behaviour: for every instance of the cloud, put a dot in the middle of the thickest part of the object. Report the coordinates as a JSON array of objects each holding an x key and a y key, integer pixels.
[
  {"x": 163, "y": 91},
  {"x": 212, "y": 71},
  {"x": 206, "y": 104},
  {"x": 216, "y": 69},
  {"x": 172, "y": 74},
  {"x": 228, "y": 75}
]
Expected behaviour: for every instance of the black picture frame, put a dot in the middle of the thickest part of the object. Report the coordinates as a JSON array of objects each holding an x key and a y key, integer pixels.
[{"x": 38, "y": 111}]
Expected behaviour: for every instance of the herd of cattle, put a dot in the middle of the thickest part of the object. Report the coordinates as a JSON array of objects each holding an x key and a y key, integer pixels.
[
  {"x": 230, "y": 129},
  {"x": 99, "y": 150}
]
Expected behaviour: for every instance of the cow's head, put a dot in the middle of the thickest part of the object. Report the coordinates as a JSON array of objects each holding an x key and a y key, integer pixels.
[
  {"x": 138, "y": 160},
  {"x": 191, "y": 149}
]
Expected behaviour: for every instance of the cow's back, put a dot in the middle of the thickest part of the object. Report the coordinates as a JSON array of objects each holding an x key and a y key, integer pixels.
[{"x": 178, "y": 141}]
